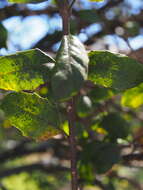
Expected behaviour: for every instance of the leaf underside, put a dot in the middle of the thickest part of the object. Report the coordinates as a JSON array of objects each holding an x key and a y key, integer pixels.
[
  {"x": 34, "y": 116},
  {"x": 71, "y": 68}
]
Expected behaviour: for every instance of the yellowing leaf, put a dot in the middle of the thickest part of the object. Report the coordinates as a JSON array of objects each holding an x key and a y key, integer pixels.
[
  {"x": 24, "y": 70},
  {"x": 65, "y": 127},
  {"x": 101, "y": 131},
  {"x": 34, "y": 116},
  {"x": 133, "y": 97},
  {"x": 115, "y": 71}
]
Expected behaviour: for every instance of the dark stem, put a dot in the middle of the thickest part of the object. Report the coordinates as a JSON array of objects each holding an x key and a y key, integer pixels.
[
  {"x": 65, "y": 14},
  {"x": 71, "y": 5},
  {"x": 72, "y": 142}
]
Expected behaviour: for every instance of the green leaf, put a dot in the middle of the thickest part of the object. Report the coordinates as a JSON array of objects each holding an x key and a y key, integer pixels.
[
  {"x": 89, "y": 16},
  {"x": 133, "y": 97},
  {"x": 84, "y": 106},
  {"x": 114, "y": 70},
  {"x": 25, "y": 1},
  {"x": 34, "y": 116},
  {"x": 115, "y": 125},
  {"x": 3, "y": 36},
  {"x": 100, "y": 93},
  {"x": 24, "y": 70},
  {"x": 101, "y": 155},
  {"x": 71, "y": 68},
  {"x": 86, "y": 172}
]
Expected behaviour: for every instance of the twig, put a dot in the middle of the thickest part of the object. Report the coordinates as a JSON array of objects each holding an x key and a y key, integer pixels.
[
  {"x": 132, "y": 157},
  {"x": 72, "y": 141},
  {"x": 65, "y": 14},
  {"x": 71, "y": 5},
  {"x": 30, "y": 168},
  {"x": 25, "y": 149},
  {"x": 128, "y": 43}
]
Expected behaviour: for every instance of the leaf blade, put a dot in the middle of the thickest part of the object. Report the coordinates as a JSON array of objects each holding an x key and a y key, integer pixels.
[
  {"x": 133, "y": 97},
  {"x": 71, "y": 68},
  {"x": 24, "y": 70},
  {"x": 94, "y": 154},
  {"x": 34, "y": 116},
  {"x": 114, "y": 71}
]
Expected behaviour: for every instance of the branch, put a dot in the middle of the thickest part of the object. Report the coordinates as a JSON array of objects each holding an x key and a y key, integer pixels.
[
  {"x": 32, "y": 167},
  {"x": 15, "y": 10},
  {"x": 132, "y": 157},
  {"x": 48, "y": 41},
  {"x": 23, "y": 150},
  {"x": 71, "y": 5},
  {"x": 109, "y": 5},
  {"x": 72, "y": 142},
  {"x": 65, "y": 14}
]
